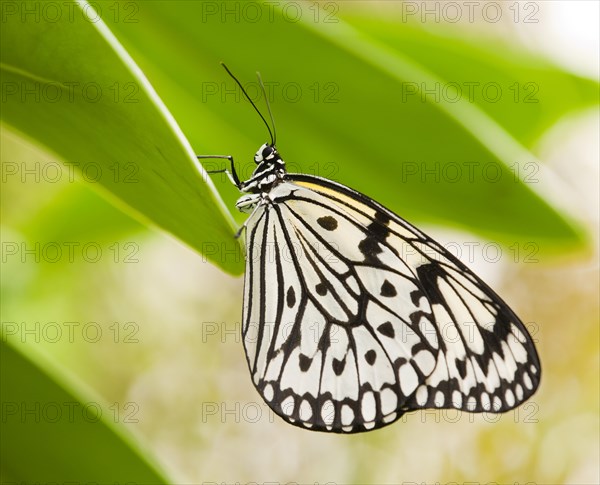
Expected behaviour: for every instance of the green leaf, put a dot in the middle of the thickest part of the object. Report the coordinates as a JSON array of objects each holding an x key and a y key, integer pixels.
[
  {"x": 81, "y": 96},
  {"x": 460, "y": 163},
  {"x": 54, "y": 434}
]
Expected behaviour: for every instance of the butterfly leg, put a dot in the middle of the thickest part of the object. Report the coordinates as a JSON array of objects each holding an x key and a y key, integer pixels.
[{"x": 233, "y": 176}]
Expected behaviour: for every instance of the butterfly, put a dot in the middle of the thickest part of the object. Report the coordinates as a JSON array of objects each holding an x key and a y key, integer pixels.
[{"x": 353, "y": 317}]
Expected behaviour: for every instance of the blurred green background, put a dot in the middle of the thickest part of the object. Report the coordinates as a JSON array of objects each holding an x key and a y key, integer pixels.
[{"x": 121, "y": 296}]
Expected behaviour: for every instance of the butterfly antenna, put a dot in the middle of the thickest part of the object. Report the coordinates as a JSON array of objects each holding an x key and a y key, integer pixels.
[
  {"x": 252, "y": 102},
  {"x": 262, "y": 86}
]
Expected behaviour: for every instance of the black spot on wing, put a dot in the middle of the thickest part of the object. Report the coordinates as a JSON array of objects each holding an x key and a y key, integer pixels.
[
  {"x": 321, "y": 289},
  {"x": 415, "y": 296},
  {"x": 377, "y": 232},
  {"x": 386, "y": 329},
  {"x": 370, "y": 357},
  {"x": 370, "y": 248},
  {"x": 461, "y": 365},
  {"x": 304, "y": 362},
  {"x": 291, "y": 297},
  {"x": 387, "y": 289},
  {"x": 328, "y": 223},
  {"x": 379, "y": 226},
  {"x": 338, "y": 366}
]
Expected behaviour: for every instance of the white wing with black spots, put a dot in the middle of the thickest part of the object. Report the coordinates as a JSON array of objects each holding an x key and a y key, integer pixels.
[{"x": 353, "y": 317}]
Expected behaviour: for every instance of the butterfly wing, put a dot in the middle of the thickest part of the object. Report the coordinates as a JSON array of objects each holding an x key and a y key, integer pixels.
[{"x": 353, "y": 317}]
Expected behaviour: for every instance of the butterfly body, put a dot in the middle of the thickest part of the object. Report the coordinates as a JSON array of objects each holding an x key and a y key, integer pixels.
[{"x": 353, "y": 317}]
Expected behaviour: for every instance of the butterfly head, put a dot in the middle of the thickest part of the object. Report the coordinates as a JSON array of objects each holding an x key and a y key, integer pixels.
[
  {"x": 270, "y": 169},
  {"x": 267, "y": 153}
]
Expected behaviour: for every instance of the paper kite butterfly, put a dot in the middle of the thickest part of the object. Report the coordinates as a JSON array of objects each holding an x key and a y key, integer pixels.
[{"x": 353, "y": 317}]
